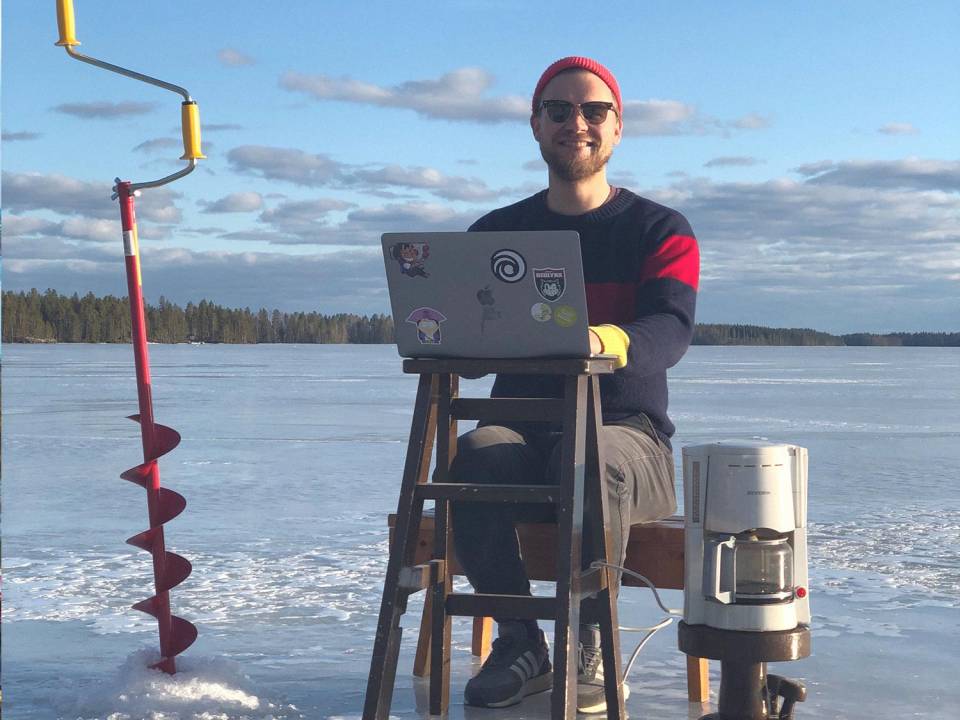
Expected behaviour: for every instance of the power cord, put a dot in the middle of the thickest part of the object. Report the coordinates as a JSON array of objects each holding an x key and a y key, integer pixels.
[{"x": 651, "y": 630}]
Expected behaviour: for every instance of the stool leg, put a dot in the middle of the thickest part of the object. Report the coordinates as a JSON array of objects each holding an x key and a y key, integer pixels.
[
  {"x": 439, "y": 567},
  {"x": 386, "y": 646},
  {"x": 440, "y": 645},
  {"x": 563, "y": 701},
  {"x": 421, "y": 660},
  {"x": 698, "y": 679},
  {"x": 482, "y": 637},
  {"x": 607, "y": 597}
]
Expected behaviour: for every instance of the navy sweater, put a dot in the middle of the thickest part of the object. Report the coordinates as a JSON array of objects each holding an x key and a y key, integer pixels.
[{"x": 641, "y": 266}]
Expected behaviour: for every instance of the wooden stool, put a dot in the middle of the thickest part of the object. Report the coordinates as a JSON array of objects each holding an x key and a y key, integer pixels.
[
  {"x": 436, "y": 412},
  {"x": 655, "y": 550}
]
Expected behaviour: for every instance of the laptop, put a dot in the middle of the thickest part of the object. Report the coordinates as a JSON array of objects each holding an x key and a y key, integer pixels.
[{"x": 487, "y": 294}]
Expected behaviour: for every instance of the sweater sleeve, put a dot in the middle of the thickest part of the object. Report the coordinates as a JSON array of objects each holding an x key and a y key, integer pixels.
[{"x": 666, "y": 295}]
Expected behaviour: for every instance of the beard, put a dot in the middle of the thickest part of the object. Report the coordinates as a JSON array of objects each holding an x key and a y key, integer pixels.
[{"x": 575, "y": 167}]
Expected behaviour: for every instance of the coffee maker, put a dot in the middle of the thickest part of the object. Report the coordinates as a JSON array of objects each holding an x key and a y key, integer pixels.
[{"x": 746, "y": 594}]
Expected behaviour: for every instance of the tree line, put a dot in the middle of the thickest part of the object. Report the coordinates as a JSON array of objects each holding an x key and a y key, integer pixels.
[
  {"x": 51, "y": 317},
  {"x": 713, "y": 334}
]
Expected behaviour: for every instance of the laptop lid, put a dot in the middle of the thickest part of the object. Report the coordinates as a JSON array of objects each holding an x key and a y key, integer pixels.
[{"x": 487, "y": 294}]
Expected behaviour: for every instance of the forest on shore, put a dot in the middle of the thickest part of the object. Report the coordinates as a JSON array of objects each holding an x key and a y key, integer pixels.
[{"x": 51, "y": 317}]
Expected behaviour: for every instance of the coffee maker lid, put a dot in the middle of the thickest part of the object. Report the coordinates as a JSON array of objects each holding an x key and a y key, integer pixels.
[{"x": 751, "y": 446}]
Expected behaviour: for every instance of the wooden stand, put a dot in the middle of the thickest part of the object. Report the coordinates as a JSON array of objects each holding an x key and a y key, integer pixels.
[
  {"x": 655, "y": 550},
  {"x": 437, "y": 410}
]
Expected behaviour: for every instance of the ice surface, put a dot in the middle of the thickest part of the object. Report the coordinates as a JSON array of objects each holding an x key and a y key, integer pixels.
[{"x": 291, "y": 459}]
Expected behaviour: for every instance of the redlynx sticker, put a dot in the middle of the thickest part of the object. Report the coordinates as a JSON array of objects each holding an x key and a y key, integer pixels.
[{"x": 551, "y": 282}]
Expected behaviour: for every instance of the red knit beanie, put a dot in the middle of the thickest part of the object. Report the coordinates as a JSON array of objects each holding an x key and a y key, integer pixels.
[{"x": 582, "y": 63}]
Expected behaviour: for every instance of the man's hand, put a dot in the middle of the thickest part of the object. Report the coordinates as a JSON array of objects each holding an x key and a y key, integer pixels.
[{"x": 596, "y": 347}]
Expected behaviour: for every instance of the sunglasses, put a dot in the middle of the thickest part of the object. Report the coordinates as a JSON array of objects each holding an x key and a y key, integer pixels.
[{"x": 559, "y": 111}]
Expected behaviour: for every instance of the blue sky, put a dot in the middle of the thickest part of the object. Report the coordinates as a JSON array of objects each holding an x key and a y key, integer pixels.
[{"x": 814, "y": 148}]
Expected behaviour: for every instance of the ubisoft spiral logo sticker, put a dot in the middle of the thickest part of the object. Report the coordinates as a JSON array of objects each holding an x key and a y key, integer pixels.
[{"x": 508, "y": 266}]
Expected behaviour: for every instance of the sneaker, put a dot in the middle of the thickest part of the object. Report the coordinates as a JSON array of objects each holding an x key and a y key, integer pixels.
[
  {"x": 591, "y": 695},
  {"x": 518, "y": 666}
]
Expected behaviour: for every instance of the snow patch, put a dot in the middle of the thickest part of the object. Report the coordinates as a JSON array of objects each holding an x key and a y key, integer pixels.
[{"x": 202, "y": 689}]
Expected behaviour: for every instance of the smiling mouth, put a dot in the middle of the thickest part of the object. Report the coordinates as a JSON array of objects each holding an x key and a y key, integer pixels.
[{"x": 577, "y": 144}]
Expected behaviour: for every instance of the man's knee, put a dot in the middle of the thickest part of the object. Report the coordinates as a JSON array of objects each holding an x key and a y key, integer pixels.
[{"x": 489, "y": 454}]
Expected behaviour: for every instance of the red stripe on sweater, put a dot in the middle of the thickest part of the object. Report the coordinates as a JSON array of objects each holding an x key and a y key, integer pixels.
[{"x": 677, "y": 258}]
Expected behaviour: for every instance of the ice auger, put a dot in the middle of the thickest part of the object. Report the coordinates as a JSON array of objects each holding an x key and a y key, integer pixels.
[{"x": 169, "y": 569}]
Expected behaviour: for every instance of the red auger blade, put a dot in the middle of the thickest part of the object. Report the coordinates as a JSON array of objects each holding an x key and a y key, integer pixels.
[
  {"x": 138, "y": 474},
  {"x": 165, "y": 438},
  {"x": 184, "y": 632},
  {"x": 144, "y": 540},
  {"x": 177, "y": 569},
  {"x": 183, "y": 635}
]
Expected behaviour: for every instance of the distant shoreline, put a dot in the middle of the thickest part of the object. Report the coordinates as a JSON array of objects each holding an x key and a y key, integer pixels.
[{"x": 49, "y": 317}]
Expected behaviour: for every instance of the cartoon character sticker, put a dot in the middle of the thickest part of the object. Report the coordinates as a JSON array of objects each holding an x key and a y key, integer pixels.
[
  {"x": 551, "y": 282},
  {"x": 488, "y": 312},
  {"x": 428, "y": 322},
  {"x": 411, "y": 256}
]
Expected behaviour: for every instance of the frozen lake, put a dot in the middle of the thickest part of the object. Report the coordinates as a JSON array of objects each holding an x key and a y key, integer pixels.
[{"x": 291, "y": 459}]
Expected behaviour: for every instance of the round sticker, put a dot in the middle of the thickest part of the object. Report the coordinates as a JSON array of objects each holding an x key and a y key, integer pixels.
[
  {"x": 541, "y": 312},
  {"x": 564, "y": 315}
]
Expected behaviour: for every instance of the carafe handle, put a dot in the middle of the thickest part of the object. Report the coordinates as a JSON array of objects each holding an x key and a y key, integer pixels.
[{"x": 723, "y": 597}]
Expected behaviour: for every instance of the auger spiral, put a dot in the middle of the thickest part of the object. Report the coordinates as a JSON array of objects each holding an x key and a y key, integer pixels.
[{"x": 163, "y": 504}]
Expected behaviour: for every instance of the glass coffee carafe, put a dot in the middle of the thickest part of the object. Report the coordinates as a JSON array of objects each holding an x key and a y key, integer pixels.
[{"x": 749, "y": 569}]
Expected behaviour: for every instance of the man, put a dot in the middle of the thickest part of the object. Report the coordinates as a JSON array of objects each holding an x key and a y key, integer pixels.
[{"x": 641, "y": 267}]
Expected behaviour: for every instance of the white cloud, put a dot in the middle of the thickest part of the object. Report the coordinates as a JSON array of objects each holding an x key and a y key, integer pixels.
[
  {"x": 898, "y": 128},
  {"x": 166, "y": 143},
  {"x": 449, "y": 187},
  {"x": 234, "y": 202},
  {"x": 96, "y": 229},
  {"x": 304, "y": 221},
  {"x": 292, "y": 165},
  {"x": 752, "y": 121},
  {"x": 732, "y": 161},
  {"x": 411, "y": 216},
  {"x": 315, "y": 170},
  {"x": 61, "y": 194},
  {"x": 25, "y": 192},
  {"x": 105, "y": 109},
  {"x": 9, "y": 136},
  {"x": 16, "y": 226},
  {"x": 913, "y": 173},
  {"x": 457, "y": 95},
  {"x": 233, "y": 57},
  {"x": 658, "y": 117}
]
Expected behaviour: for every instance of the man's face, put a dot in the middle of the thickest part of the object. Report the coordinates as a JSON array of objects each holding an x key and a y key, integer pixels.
[{"x": 575, "y": 150}]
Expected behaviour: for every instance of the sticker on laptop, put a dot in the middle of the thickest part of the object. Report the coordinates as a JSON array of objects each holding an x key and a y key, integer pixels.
[
  {"x": 488, "y": 312},
  {"x": 411, "y": 256},
  {"x": 508, "y": 265},
  {"x": 541, "y": 312},
  {"x": 564, "y": 315},
  {"x": 551, "y": 282},
  {"x": 428, "y": 322}
]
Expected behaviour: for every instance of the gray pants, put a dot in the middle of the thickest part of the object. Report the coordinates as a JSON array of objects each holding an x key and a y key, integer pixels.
[{"x": 639, "y": 481}]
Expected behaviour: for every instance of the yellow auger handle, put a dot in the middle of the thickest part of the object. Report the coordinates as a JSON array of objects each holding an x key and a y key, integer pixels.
[
  {"x": 66, "y": 24},
  {"x": 190, "y": 123}
]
